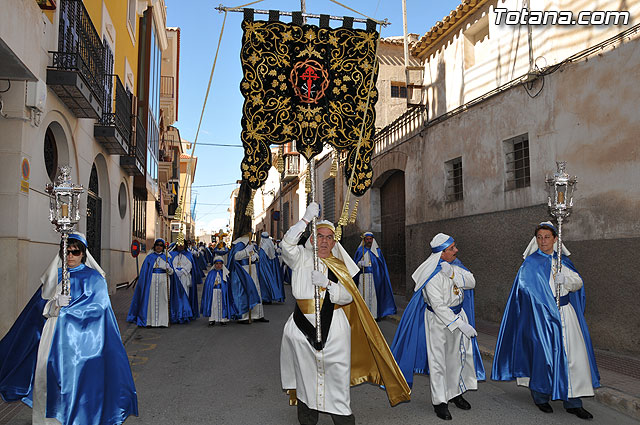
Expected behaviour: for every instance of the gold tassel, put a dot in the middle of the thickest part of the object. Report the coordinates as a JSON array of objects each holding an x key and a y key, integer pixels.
[
  {"x": 354, "y": 213},
  {"x": 249, "y": 210},
  {"x": 280, "y": 161},
  {"x": 338, "y": 233},
  {"x": 334, "y": 165},
  {"x": 307, "y": 183},
  {"x": 344, "y": 218}
]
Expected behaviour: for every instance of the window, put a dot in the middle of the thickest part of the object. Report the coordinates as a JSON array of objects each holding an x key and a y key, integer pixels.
[
  {"x": 285, "y": 216},
  {"x": 50, "y": 154},
  {"x": 398, "y": 90},
  {"x": 517, "y": 162},
  {"x": 131, "y": 15},
  {"x": 139, "y": 216},
  {"x": 454, "y": 179},
  {"x": 476, "y": 43},
  {"x": 328, "y": 201},
  {"x": 122, "y": 200}
]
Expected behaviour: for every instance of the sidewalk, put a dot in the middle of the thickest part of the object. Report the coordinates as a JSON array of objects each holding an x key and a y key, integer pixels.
[{"x": 619, "y": 374}]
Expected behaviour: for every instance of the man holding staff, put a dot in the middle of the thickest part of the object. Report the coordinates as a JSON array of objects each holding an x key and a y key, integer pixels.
[{"x": 318, "y": 375}]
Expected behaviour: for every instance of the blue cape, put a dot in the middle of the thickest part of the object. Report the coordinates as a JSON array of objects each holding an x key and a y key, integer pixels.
[
  {"x": 201, "y": 261},
  {"x": 384, "y": 292},
  {"x": 530, "y": 340},
  {"x": 270, "y": 276},
  {"x": 409, "y": 345},
  {"x": 229, "y": 310},
  {"x": 180, "y": 309},
  {"x": 244, "y": 292},
  {"x": 195, "y": 279},
  {"x": 86, "y": 359},
  {"x": 221, "y": 252},
  {"x": 19, "y": 351}
]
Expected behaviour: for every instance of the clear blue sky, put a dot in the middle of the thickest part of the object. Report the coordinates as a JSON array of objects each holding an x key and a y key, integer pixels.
[{"x": 200, "y": 26}]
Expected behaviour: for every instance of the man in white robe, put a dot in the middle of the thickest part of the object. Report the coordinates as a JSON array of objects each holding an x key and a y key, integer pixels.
[
  {"x": 182, "y": 266},
  {"x": 321, "y": 378}
]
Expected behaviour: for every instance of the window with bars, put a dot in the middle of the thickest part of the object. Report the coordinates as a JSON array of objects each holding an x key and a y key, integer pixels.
[
  {"x": 328, "y": 199},
  {"x": 454, "y": 179},
  {"x": 139, "y": 216},
  {"x": 517, "y": 162},
  {"x": 398, "y": 90}
]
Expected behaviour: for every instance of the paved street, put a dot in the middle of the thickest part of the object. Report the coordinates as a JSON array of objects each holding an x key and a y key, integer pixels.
[{"x": 193, "y": 374}]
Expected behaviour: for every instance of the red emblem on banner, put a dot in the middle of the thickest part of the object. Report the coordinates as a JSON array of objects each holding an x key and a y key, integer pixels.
[{"x": 309, "y": 80}]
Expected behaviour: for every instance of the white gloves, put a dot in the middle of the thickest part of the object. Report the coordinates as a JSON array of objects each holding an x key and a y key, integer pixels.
[
  {"x": 254, "y": 257},
  {"x": 446, "y": 269},
  {"x": 361, "y": 263},
  {"x": 319, "y": 279},
  {"x": 313, "y": 210},
  {"x": 467, "y": 329},
  {"x": 559, "y": 279},
  {"x": 62, "y": 300}
]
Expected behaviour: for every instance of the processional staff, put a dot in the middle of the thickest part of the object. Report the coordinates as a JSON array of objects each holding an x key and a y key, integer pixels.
[
  {"x": 560, "y": 187},
  {"x": 64, "y": 214}
]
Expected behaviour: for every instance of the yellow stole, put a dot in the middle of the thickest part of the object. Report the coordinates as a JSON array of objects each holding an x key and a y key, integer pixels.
[{"x": 371, "y": 358}]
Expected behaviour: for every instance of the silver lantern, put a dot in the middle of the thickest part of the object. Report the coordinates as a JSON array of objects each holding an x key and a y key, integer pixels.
[
  {"x": 560, "y": 188},
  {"x": 64, "y": 213}
]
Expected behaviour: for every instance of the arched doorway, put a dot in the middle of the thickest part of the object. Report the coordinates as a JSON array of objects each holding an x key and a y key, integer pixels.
[
  {"x": 392, "y": 220},
  {"x": 94, "y": 215}
]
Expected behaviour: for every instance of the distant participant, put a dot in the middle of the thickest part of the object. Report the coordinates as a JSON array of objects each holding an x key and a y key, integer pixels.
[
  {"x": 217, "y": 301},
  {"x": 269, "y": 271},
  {"x": 373, "y": 280}
]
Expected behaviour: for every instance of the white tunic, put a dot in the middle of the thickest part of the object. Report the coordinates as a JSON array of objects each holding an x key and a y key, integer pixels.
[
  {"x": 183, "y": 266},
  {"x": 450, "y": 354},
  {"x": 256, "y": 312},
  {"x": 579, "y": 379},
  {"x": 158, "y": 306},
  {"x": 51, "y": 312},
  {"x": 321, "y": 378},
  {"x": 216, "y": 302},
  {"x": 367, "y": 287}
]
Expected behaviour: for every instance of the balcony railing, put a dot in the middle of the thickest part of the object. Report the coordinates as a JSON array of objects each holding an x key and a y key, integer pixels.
[
  {"x": 166, "y": 86},
  {"x": 78, "y": 68},
  {"x": 47, "y": 4},
  {"x": 402, "y": 128},
  {"x": 135, "y": 161},
  {"x": 113, "y": 130}
]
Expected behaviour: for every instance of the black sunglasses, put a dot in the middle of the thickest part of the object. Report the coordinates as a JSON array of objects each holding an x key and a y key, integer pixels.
[{"x": 74, "y": 252}]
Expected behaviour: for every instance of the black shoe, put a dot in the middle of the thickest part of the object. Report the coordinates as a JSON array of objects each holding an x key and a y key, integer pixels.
[
  {"x": 442, "y": 411},
  {"x": 223, "y": 324},
  {"x": 580, "y": 412},
  {"x": 212, "y": 323},
  {"x": 545, "y": 407},
  {"x": 243, "y": 322},
  {"x": 262, "y": 319},
  {"x": 461, "y": 403}
]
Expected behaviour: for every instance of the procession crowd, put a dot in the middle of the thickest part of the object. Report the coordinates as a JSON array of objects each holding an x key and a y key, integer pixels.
[{"x": 55, "y": 356}]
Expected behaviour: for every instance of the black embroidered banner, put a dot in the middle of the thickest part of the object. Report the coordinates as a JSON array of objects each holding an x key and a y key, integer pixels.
[{"x": 310, "y": 85}]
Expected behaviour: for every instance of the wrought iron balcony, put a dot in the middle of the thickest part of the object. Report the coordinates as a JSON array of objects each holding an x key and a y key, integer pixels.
[
  {"x": 78, "y": 67},
  {"x": 113, "y": 130},
  {"x": 135, "y": 161},
  {"x": 47, "y": 4}
]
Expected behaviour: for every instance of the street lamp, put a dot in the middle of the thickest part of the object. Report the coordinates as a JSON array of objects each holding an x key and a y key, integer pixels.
[
  {"x": 64, "y": 213},
  {"x": 560, "y": 189}
]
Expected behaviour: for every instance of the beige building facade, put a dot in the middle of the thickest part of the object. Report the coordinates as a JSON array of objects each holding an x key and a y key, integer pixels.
[{"x": 498, "y": 113}]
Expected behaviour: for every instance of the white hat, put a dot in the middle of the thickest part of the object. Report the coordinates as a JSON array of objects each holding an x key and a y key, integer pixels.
[{"x": 439, "y": 243}]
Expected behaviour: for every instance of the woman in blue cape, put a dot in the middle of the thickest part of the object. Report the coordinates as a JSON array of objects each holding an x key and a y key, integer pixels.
[
  {"x": 269, "y": 272},
  {"x": 153, "y": 303},
  {"x": 78, "y": 372},
  {"x": 186, "y": 273},
  {"x": 244, "y": 289},
  {"x": 217, "y": 302},
  {"x": 373, "y": 280},
  {"x": 543, "y": 346}
]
